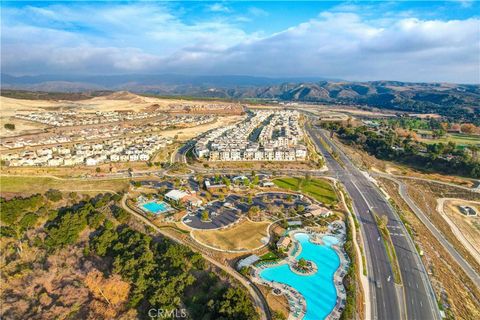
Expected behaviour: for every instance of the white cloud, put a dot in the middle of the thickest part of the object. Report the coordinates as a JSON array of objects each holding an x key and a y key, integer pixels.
[
  {"x": 257, "y": 12},
  {"x": 218, "y": 7},
  {"x": 150, "y": 39}
]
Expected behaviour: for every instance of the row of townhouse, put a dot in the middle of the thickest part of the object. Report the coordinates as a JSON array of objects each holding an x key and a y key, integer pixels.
[
  {"x": 69, "y": 118},
  {"x": 90, "y": 154},
  {"x": 290, "y": 154},
  {"x": 283, "y": 130},
  {"x": 102, "y": 132},
  {"x": 278, "y": 139}
]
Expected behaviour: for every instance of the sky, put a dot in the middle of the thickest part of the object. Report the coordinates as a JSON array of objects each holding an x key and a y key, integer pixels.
[{"x": 414, "y": 41}]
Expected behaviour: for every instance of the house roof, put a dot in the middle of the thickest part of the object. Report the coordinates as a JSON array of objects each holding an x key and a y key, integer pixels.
[
  {"x": 248, "y": 261},
  {"x": 175, "y": 194}
]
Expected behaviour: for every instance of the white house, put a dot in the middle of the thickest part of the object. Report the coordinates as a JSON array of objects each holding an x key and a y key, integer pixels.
[
  {"x": 175, "y": 195},
  {"x": 91, "y": 162}
]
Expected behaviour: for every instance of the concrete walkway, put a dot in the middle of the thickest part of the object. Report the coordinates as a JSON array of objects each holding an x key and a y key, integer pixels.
[{"x": 259, "y": 300}]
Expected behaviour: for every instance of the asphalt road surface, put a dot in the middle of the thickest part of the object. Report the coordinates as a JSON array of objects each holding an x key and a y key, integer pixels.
[
  {"x": 221, "y": 215},
  {"x": 469, "y": 270},
  {"x": 415, "y": 300}
]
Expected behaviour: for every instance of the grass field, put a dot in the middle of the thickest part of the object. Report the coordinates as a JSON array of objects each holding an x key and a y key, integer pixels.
[
  {"x": 245, "y": 236},
  {"x": 321, "y": 190},
  {"x": 18, "y": 184},
  {"x": 459, "y": 138}
]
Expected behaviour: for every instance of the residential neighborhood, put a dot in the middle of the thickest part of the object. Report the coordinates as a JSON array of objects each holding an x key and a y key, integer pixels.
[
  {"x": 123, "y": 149},
  {"x": 105, "y": 131},
  {"x": 263, "y": 136}
]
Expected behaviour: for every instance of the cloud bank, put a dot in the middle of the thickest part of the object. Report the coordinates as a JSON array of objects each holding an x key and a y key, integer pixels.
[{"x": 148, "y": 38}]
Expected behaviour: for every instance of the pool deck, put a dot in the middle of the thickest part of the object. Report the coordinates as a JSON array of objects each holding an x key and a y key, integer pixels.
[
  {"x": 141, "y": 201},
  {"x": 296, "y": 301}
]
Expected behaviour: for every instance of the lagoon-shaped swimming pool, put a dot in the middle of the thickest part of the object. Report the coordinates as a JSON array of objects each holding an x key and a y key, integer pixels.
[{"x": 318, "y": 289}]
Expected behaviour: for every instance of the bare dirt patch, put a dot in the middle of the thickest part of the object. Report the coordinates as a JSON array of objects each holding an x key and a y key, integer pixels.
[
  {"x": 466, "y": 228},
  {"x": 276, "y": 303},
  {"x": 425, "y": 195},
  {"x": 188, "y": 133},
  {"x": 21, "y": 127}
]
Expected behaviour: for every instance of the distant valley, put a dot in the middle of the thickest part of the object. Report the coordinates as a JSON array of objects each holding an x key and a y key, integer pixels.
[{"x": 461, "y": 101}]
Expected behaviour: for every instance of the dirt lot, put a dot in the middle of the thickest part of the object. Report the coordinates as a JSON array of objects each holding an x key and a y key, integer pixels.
[
  {"x": 458, "y": 295},
  {"x": 75, "y": 172},
  {"x": 245, "y": 235},
  {"x": 426, "y": 200},
  {"x": 121, "y": 100},
  {"x": 21, "y": 127},
  {"x": 188, "y": 133},
  {"x": 276, "y": 303},
  {"x": 467, "y": 228}
]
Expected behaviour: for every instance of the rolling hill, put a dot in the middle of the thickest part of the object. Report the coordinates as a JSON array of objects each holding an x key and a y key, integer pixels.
[{"x": 460, "y": 101}]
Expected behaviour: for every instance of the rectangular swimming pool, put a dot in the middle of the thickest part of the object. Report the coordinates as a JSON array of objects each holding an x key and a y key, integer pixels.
[{"x": 156, "y": 207}]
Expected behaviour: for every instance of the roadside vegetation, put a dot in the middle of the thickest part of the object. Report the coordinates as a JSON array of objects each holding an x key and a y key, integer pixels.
[
  {"x": 387, "y": 241},
  {"x": 351, "y": 281},
  {"x": 320, "y": 189},
  {"x": 402, "y": 147},
  {"x": 457, "y": 295}
]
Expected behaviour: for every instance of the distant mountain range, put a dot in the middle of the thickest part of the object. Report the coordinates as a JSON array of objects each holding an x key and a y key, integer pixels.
[{"x": 453, "y": 100}]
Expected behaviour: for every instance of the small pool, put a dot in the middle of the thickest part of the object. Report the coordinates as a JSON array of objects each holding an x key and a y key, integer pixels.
[
  {"x": 330, "y": 240},
  {"x": 318, "y": 289},
  {"x": 156, "y": 207}
]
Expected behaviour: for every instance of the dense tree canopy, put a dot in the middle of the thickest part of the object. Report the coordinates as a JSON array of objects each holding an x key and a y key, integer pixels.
[{"x": 388, "y": 145}]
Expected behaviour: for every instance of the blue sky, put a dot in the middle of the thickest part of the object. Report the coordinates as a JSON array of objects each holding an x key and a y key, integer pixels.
[{"x": 353, "y": 40}]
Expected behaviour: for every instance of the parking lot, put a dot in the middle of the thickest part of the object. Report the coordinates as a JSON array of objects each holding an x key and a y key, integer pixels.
[{"x": 224, "y": 213}]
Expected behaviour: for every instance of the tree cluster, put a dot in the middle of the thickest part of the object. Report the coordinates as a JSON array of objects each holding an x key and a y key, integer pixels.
[{"x": 387, "y": 145}]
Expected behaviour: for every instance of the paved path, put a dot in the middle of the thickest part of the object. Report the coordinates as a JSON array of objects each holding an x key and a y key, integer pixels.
[
  {"x": 386, "y": 175},
  {"x": 472, "y": 274},
  {"x": 258, "y": 298}
]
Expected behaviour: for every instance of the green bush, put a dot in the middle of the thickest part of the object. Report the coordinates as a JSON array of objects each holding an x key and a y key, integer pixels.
[
  {"x": 54, "y": 195},
  {"x": 9, "y": 126}
]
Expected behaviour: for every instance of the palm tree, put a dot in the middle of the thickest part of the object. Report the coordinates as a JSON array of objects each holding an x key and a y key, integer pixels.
[{"x": 302, "y": 264}]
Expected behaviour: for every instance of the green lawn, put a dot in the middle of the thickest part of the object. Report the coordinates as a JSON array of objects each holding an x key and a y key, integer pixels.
[
  {"x": 319, "y": 189},
  {"x": 460, "y": 139},
  {"x": 269, "y": 256}
]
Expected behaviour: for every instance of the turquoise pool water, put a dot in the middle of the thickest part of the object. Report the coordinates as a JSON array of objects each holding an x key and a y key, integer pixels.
[
  {"x": 317, "y": 289},
  {"x": 156, "y": 207}
]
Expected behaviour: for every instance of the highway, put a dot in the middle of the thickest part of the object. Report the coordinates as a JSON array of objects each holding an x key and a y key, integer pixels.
[
  {"x": 415, "y": 299},
  {"x": 471, "y": 273}
]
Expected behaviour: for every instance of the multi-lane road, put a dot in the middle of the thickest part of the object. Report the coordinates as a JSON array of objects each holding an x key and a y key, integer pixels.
[{"x": 414, "y": 299}]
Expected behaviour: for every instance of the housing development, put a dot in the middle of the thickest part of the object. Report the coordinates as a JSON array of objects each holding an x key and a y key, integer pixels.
[
  {"x": 271, "y": 195},
  {"x": 97, "y": 143},
  {"x": 139, "y": 148},
  {"x": 264, "y": 136},
  {"x": 240, "y": 160}
]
